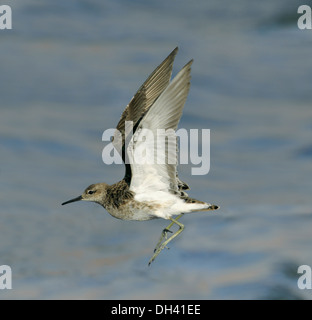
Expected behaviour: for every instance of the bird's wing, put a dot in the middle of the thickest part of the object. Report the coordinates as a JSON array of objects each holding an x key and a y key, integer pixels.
[
  {"x": 150, "y": 169},
  {"x": 143, "y": 100}
]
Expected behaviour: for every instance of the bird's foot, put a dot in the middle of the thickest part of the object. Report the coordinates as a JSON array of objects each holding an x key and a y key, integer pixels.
[
  {"x": 157, "y": 251},
  {"x": 162, "y": 237},
  {"x": 163, "y": 244}
]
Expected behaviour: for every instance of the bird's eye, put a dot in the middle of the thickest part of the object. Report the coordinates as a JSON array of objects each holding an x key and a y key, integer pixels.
[{"x": 90, "y": 192}]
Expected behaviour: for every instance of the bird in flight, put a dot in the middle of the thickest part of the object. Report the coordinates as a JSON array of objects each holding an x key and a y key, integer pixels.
[{"x": 150, "y": 188}]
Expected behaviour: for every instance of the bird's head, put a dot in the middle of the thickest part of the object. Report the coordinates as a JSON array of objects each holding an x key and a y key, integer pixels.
[{"x": 95, "y": 192}]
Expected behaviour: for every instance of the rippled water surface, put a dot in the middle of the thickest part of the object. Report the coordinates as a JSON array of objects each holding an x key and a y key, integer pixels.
[{"x": 68, "y": 68}]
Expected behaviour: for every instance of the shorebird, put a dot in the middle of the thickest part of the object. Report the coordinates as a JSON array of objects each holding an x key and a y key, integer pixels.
[{"x": 150, "y": 190}]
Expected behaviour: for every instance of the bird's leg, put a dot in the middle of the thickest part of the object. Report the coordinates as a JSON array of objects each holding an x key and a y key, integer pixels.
[
  {"x": 163, "y": 235},
  {"x": 160, "y": 246},
  {"x": 165, "y": 231}
]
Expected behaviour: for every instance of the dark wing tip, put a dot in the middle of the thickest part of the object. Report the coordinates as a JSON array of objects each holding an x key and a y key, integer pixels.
[
  {"x": 174, "y": 51},
  {"x": 188, "y": 65}
]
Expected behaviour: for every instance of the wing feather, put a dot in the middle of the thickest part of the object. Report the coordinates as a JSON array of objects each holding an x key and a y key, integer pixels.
[
  {"x": 160, "y": 121},
  {"x": 144, "y": 99}
]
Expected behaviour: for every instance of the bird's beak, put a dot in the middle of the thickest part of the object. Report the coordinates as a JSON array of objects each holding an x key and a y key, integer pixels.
[{"x": 73, "y": 200}]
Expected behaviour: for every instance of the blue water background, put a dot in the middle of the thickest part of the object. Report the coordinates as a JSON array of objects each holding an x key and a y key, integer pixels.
[{"x": 68, "y": 68}]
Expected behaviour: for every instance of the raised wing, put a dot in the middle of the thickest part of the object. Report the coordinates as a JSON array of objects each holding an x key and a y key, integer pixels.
[
  {"x": 143, "y": 100},
  {"x": 153, "y": 161}
]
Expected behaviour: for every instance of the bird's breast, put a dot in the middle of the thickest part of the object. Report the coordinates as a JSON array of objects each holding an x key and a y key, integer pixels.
[{"x": 133, "y": 210}]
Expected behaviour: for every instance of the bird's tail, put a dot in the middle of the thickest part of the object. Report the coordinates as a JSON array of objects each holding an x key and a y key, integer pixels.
[
  {"x": 208, "y": 208},
  {"x": 202, "y": 206}
]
